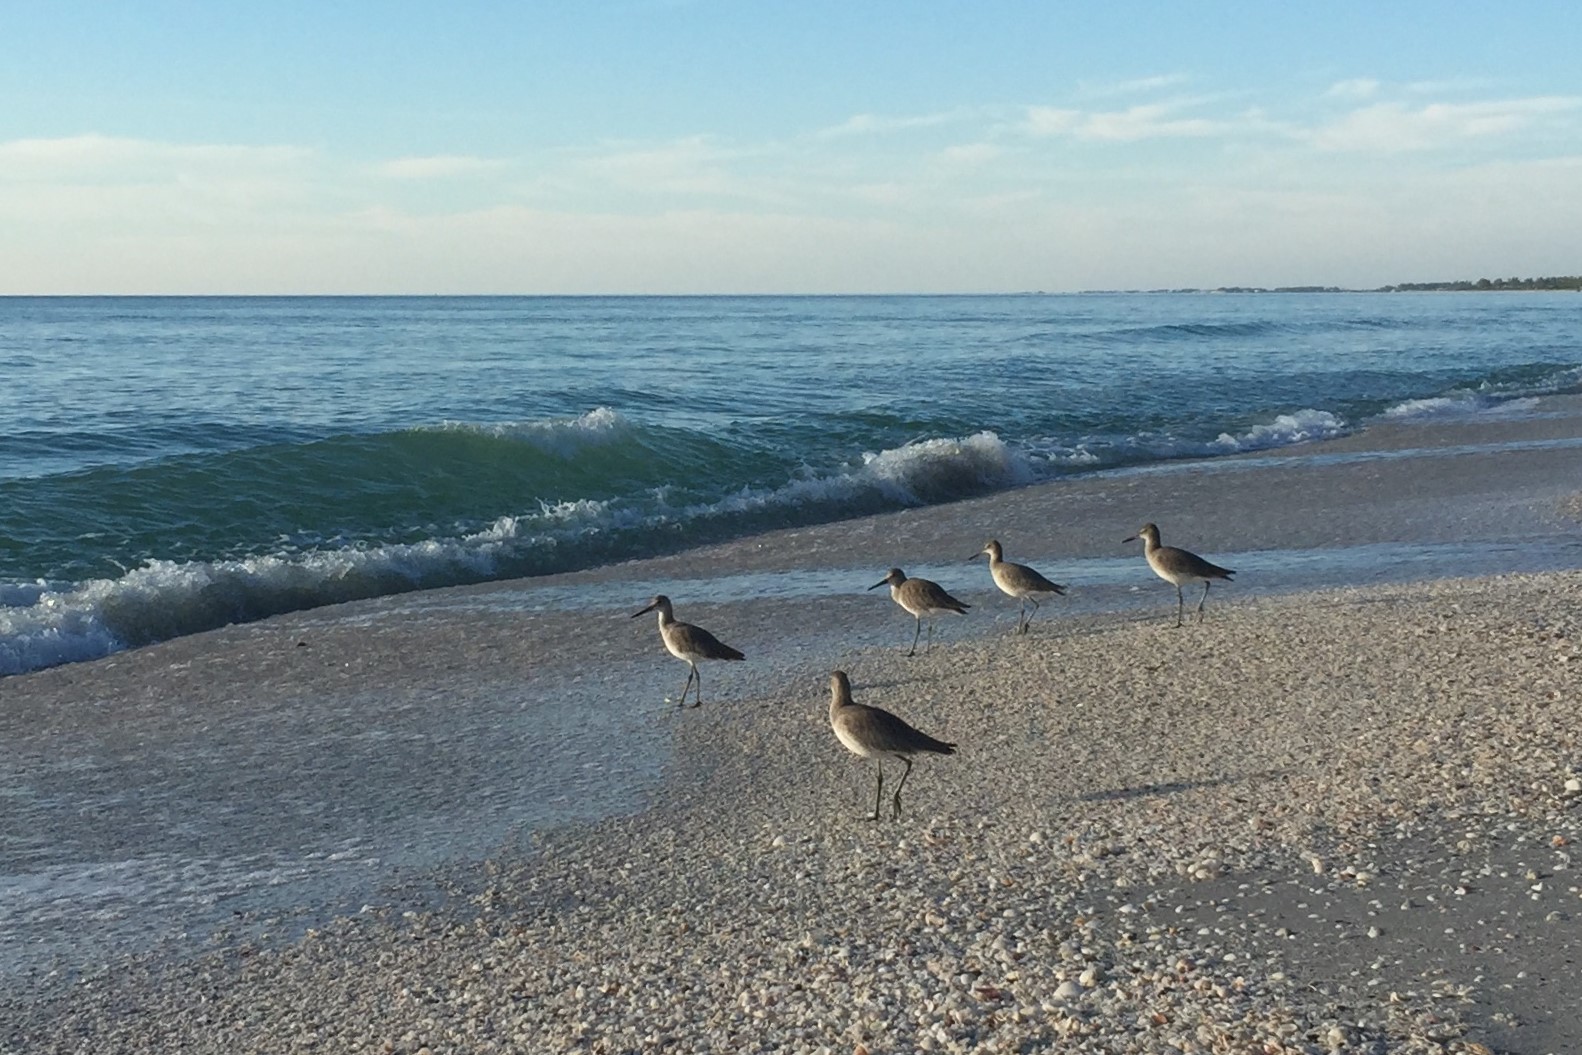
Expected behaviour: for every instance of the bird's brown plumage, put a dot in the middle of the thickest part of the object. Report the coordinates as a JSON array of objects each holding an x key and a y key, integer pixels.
[{"x": 871, "y": 732}]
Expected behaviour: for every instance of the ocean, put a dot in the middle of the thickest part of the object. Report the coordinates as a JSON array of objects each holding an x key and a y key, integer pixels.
[{"x": 172, "y": 465}]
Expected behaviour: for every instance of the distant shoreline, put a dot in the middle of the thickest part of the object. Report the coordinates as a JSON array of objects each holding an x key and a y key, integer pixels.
[{"x": 1560, "y": 283}]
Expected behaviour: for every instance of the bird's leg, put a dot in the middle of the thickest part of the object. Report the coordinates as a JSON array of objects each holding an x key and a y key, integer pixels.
[
  {"x": 1203, "y": 600},
  {"x": 930, "y": 645},
  {"x": 878, "y": 790},
  {"x": 691, "y": 673},
  {"x": 1021, "y": 617},
  {"x": 697, "y": 686},
  {"x": 916, "y": 634},
  {"x": 1030, "y": 615},
  {"x": 1180, "y": 604},
  {"x": 896, "y": 807}
]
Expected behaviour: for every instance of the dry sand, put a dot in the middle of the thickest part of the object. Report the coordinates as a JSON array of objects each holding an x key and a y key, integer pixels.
[{"x": 1319, "y": 821}]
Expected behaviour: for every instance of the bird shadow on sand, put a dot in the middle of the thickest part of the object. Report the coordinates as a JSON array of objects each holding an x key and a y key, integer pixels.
[{"x": 1175, "y": 787}]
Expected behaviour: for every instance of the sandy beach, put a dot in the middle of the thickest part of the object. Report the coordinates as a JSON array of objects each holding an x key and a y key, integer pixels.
[{"x": 1336, "y": 815}]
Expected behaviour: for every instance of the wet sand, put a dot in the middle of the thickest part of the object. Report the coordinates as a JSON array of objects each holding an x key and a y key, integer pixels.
[{"x": 1338, "y": 810}]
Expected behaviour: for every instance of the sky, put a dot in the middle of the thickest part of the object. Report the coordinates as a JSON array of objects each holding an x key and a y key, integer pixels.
[{"x": 739, "y": 146}]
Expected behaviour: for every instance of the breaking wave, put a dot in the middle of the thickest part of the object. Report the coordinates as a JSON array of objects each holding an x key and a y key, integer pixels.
[{"x": 355, "y": 517}]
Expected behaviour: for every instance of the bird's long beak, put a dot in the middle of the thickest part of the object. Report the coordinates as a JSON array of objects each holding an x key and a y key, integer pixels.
[
  {"x": 881, "y": 582},
  {"x": 644, "y": 611},
  {"x": 974, "y": 557},
  {"x": 1129, "y": 538}
]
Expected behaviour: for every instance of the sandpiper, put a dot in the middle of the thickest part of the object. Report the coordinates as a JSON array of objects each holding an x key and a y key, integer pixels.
[
  {"x": 1179, "y": 567},
  {"x": 920, "y": 597},
  {"x": 687, "y": 642},
  {"x": 1019, "y": 581},
  {"x": 869, "y": 732}
]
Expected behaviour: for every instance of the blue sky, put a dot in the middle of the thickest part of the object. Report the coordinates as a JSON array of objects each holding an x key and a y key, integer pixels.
[{"x": 698, "y": 146}]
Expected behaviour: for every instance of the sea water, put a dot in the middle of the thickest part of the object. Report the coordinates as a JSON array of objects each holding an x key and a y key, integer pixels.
[{"x": 170, "y": 465}]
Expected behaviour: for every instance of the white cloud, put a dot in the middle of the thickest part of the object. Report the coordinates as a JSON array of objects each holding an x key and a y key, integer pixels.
[
  {"x": 888, "y": 195},
  {"x": 691, "y": 166},
  {"x": 1450, "y": 86},
  {"x": 1444, "y": 225},
  {"x": 1393, "y": 127},
  {"x": 967, "y": 206},
  {"x": 1050, "y": 121},
  {"x": 1149, "y": 84},
  {"x": 97, "y": 156},
  {"x": 876, "y": 124},
  {"x": 1135, "y": 86},
  {"x": 971, "y": 153},
  {"x": 436, "y": 166},
  {"x": 1355, "y": 88},
  {"x": 1147, "y": 121},
  {"x": 103, "y": 188}
]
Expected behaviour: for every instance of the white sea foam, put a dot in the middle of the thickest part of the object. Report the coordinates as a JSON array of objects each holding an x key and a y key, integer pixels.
[
  {"x": 562, "y": 437},
  {"x": 45, "y": 625},
  {"x": 1301, "y": 426},
  {"x": 924, "y": 470},
  {"x": 55, "y": 627},
  {"x": 165, "y": 599},
  {"x": 1078, "y": 457},
  {"x": 1461, "y": 406},
  {"x": 581, "y": 513},
  {"x": 915, "y": 473}
]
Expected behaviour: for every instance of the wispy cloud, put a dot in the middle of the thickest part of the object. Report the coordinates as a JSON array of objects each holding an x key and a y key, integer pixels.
[
  {"x": 877, "y": 124},
  {"x": 1449, "y": 86},
  {"x": 1354, "y": 88},
  {"x": 1145, "y": 121},
  {"x": 96, "y": 156},
  {"x": 1050, "y": 121},
  {"x": 971, "y": 153},
  {"x": 113, "y": 185},
  {"x": 692, "y": 163},
  {"x": 683, "y": 169},
  {"x": 437, "y": 166},
  {"x": 1393, "y": 127},
  {"x": 1134, "y": 86},
  {"x": 971, "y": 196}
]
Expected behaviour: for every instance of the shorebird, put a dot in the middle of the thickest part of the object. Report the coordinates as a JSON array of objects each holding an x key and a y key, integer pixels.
[
  {"x": 687, "y": 642},
  {"x": 869, "y": 732},
  {"x": 920, "y": 597},
  {"x": 1179, "y": 567},
  {"x": 1019, "y": 581}
]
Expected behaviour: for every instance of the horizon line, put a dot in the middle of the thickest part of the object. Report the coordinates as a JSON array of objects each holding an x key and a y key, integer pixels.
[{"x": 1396, "y": 287}]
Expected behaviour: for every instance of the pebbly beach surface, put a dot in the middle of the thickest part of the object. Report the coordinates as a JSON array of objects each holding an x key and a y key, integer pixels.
[{"x": 1336, "y": 815}]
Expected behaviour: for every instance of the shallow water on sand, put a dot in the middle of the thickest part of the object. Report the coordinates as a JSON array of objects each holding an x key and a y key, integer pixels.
[{"x": 273, "y": 819}]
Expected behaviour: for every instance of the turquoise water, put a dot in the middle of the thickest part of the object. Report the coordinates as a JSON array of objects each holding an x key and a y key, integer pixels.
[{"x": 171, "y": 465}]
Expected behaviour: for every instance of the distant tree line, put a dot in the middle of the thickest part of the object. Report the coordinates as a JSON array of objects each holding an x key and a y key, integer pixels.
[
  {"x": 1555, "y": 282},
  {"x": 1569, "y": 282}
]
